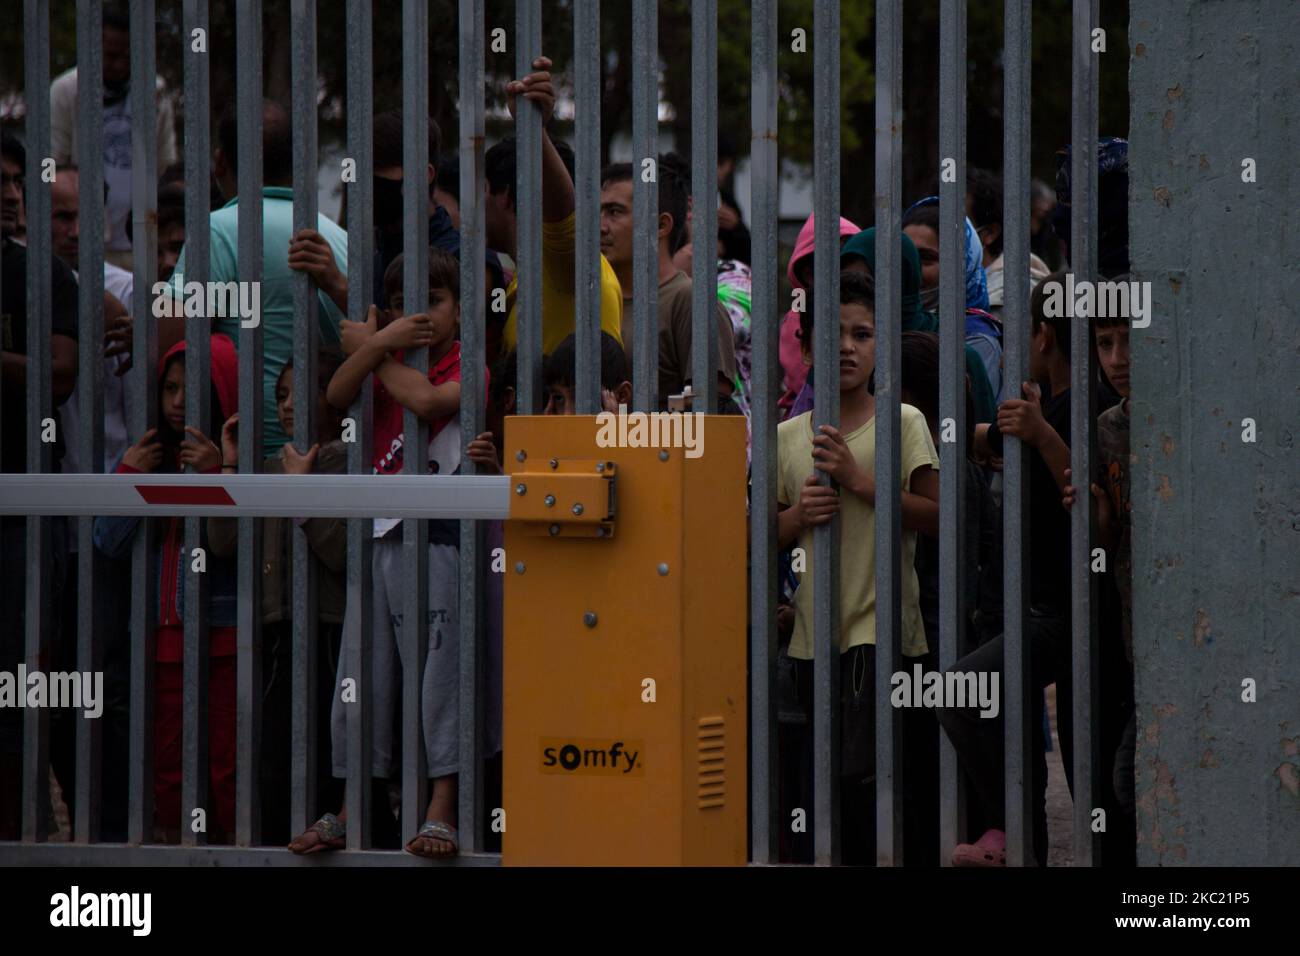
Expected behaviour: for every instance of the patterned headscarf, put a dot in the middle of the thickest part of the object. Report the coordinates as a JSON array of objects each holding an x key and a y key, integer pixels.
[{"x": 977, "y": 287}]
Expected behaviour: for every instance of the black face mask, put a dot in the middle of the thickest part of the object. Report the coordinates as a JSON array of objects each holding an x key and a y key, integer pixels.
[{"x": 388, "y": 204}]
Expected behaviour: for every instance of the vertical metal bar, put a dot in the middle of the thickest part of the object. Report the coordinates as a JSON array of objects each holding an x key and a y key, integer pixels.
[
  {"x": 1015, "y": 227},
  {"x": 473, "y": 317},
  {"x": 305, "y": 336},
  {"x": 415, "y": 300},
  {"x": 90, "y": 376},
  {"x": 361, "y": 229},
  {"x": 2, "y": 364},
  {"x": 704, "y": 189},
  {"x": 142, "y": 407},
  {"x": 764, "y": 799},
  {"x": 2, "y": 65},
  {"x": 826, "y": 411},
  {"x": 889, "y": 527},
  {"x": 1083, "y": 417},
  {"x": 528, "y": 207},
  {"x": 40, "y": 406},
  {"x": 952, "y": 395},
  {"x": 248, "y": 743},
  {"x": 586, "y": 124},
  {"x": 645, "y": 204},
  {"x": 198, "y": 347}
]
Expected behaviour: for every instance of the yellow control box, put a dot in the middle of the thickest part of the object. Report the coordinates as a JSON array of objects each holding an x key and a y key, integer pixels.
[{"x": 625, "y": 645}]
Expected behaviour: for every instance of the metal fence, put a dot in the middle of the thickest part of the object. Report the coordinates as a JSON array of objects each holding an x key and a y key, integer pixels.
[{"x": 455, "y": 498}]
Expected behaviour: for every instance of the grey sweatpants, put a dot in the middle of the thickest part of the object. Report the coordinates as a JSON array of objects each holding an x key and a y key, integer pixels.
[{"x": 439, "y": 693}]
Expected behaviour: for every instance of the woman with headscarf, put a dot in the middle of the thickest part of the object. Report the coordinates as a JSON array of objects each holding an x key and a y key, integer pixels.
[
  {"x": 860, "y": 252},
  {"x": 983, "y": 331}
]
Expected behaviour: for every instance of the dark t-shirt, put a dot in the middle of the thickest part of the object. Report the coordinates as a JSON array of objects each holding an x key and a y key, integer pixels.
[
  {"x": 1049, "y": 523},
  {"x": 983, "y": 566},
  {"x": 14, "y": 337},
  {"x": 675, "y": 330}
]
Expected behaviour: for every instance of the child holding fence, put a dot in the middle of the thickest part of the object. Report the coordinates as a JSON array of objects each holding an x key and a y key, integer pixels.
[
  {"x": 328, "y": 540},
  {"x": 171, "y": 447},
  {"x": 847, "y": 454},
  {"x": 1110, "y": 488},
  {"x": 372, "y": 347}
]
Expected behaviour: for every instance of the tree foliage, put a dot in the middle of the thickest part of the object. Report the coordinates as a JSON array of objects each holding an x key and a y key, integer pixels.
[{"x": 1050, "y": 98}]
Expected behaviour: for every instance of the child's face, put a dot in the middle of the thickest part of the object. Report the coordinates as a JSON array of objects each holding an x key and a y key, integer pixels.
[
  {"x": 173, "y": 396},
  {"x": 284, "y": 400},
  {"x": 327, "y": 416},
  {"x": 444, "y": 313},
  {"x": 1113, "y": 354},
  {"x": 560, "y": 401},
  {"x": 857, "y": 345}
]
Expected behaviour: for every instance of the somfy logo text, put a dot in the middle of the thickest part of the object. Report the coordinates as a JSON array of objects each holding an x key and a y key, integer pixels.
[{"x": 606, "y": 758}]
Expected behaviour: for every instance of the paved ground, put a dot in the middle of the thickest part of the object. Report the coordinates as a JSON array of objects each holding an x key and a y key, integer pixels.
[{"x": 1060, "y": 826}]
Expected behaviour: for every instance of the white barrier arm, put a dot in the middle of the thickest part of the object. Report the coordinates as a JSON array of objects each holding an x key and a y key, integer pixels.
[{"x": 297, "y": 496}]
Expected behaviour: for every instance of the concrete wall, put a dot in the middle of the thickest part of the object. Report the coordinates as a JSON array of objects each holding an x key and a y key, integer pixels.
[{"x": 1216, "y": 520}]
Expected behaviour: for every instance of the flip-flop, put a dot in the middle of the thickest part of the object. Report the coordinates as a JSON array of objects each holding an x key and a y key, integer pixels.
[
  {"x": 435, "y": 830},
  {"x": 332, "y": 832}
]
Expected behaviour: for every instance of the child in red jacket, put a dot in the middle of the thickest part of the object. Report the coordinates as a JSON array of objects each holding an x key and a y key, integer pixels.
[{"x": 171, "y": 447}]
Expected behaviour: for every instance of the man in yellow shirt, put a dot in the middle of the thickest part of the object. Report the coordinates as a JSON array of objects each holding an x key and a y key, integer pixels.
[
  {"x": 558, "y": 230},
  {"x": 848, "y": 455}
]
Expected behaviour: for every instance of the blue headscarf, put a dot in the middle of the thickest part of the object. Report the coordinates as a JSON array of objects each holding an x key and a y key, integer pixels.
[{"x": 977, "y": 287}]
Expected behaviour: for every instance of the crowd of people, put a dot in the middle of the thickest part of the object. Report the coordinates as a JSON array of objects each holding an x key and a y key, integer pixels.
[{"x": 370, "y": 355}]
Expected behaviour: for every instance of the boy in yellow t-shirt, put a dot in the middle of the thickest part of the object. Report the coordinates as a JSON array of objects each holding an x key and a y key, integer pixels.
[{"x": 847, "y": 454}]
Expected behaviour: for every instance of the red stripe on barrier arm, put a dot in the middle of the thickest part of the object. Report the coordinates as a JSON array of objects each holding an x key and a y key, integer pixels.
[{"x": 184, "y": 495}]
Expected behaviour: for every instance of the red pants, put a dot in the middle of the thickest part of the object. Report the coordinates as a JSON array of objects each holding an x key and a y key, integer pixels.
[{"x": 220, "y": 811}]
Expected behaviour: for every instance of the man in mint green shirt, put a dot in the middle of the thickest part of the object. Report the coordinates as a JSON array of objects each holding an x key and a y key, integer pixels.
[{"x": 275, "y": 299}]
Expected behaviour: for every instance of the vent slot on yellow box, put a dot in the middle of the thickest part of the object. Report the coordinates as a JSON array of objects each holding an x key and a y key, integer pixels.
[{"x": 711, "y": 777}]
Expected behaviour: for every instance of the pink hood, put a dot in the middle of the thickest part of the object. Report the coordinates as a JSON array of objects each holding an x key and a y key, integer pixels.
[
  {"x": 803, "y": 246},
  {"x": 788, "y": 349}
]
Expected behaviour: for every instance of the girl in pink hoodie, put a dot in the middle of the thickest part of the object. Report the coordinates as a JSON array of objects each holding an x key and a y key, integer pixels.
[{"x": 800, "y": 271}]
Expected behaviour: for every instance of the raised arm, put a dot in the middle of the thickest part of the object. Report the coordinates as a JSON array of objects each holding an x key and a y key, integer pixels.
[{"x": 557, "y": 186}]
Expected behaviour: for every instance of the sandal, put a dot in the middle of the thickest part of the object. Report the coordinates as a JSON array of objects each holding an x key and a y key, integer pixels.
[
  {"x": 331, "y": 832},
  {"x": 435, "y": 830}
]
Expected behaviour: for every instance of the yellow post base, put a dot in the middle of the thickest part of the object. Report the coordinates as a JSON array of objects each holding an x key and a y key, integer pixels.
[{"x": 625, "y": 649}]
